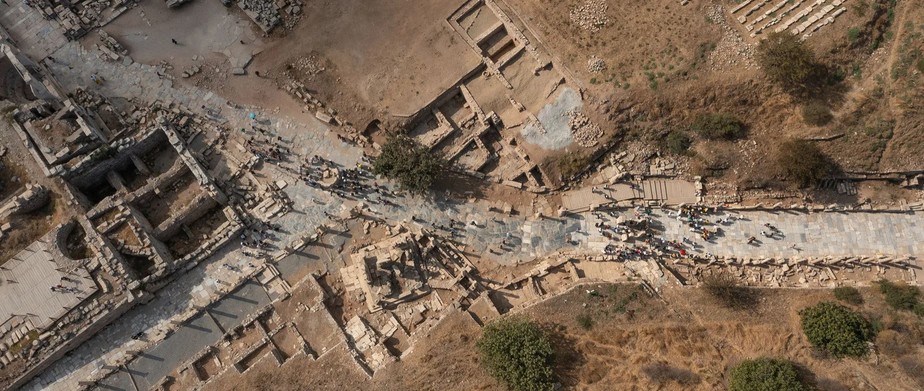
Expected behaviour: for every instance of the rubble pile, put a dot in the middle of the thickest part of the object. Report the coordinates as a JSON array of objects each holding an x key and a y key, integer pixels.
[
  {"x": 309, "y": 66},
  {"x": 109, "y": 48},
  {"x": 291, "y": 11},
  {"x": 175, "y": 3},
  {"x": 731, "y": 49},
  {"x": 263, "y": 12},
  {"x": 189, "y": 72},
  {"x": 78, "y": 17},
  {"x": 596, "y": 64},
  {"x": 584, "y": 131},
  {"x": 590, "y": 16}
]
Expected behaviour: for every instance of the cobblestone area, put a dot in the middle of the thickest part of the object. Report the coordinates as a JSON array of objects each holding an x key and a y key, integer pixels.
[{"x": 35, "y": 36}]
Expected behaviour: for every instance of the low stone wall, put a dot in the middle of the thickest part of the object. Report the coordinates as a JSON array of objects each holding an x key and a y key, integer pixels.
[{"x": 76, "y": 340}]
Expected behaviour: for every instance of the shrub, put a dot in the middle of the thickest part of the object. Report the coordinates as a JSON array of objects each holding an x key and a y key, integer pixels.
[
  {"x": 518, "y": 353},
  {"x": 662, "y": 373},
  {"x": 853, "y": 34},
  {"x": 724, "y": 288},
  {"x": 412, "y": 165},
  {"x": 816, "y": 114},
  {"x": 718, "y": 126},
  {"x": 902, "y": 297},
  {"x": 788, "y": 62},
  {"x": 803, "y": 162},
  {"x": 765, "y": 374},
  {"x": 677, "y": 142},
  {"x": 836, "y": 330},
  {"x": 848, "y": 294},
  {"x": 572, "y": 163},
  {"x": 585, "y": 321}
]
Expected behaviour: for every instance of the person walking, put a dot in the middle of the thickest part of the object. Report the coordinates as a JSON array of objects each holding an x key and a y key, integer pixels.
[{"x": 174, "y": 41}]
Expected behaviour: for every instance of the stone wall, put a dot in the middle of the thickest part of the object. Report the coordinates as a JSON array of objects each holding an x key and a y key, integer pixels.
[{"x": 75, "y": 341}]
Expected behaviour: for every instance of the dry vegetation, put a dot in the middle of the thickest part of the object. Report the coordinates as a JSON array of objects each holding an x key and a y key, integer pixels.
[
  {"x": 667, "y": 65},
  {"x": 687, "y": 341}
]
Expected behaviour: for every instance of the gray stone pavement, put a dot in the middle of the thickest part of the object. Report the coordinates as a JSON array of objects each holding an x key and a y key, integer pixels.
[
  {"x": 813, "y": 234},
  {"x": 200, "y": 332},
  {"x": 33, "y": 34}
]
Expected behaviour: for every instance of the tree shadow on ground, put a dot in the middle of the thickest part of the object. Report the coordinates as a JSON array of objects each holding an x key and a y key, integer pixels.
[
  {"x": 460, "y": 184},
  {"x": 568, "y": 360}
]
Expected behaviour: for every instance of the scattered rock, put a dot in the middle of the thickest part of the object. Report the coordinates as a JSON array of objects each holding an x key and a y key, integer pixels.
[{"x": 591, "y": 15}]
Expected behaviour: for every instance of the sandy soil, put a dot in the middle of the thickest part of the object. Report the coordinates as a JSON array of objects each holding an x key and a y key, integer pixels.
[
  {"x": 219, "y": 39},
  {"x": 391, "y": 56}
]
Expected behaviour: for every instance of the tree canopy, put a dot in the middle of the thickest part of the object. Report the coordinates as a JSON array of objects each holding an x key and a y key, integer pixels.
[
  {"x": 803, "y": 162},
  {"x": 765, "y": 374},
  {"x": 836, "y": 329},
  {"x": 413, "y": 166},
  {"x": 518, "y": 353},
  {"x": 789, "y": 62}
]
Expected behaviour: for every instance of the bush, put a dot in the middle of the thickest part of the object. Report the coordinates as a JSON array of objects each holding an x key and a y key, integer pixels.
[
  {"x": 803, "y": 162},
  {"x": 853, "y": 34},
  {"x": 518, "y": 353},
  {"x": 572, "y": 163},
  {"x": 677, "y": 142},
  {"x": 585, "y": 321},
  {"x": 836, "y": 330},
  {"x": 816, "y": 114},
  {"x": 662, "y": 373},
  {"x": 724, "y": 288},
  {"x": 902, "y": 297},
  {"x": 718, "y": 126},
  {"x": 412, "y": 165},
  {"x": 788, "y": 62},
  {"x": 848, "y": 294},
  {"x": 765, "y": 374}
]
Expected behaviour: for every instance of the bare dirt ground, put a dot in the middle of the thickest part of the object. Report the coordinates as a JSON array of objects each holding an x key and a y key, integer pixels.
[
  {"x": 211, "y": 38},
  {"x": 378, "y": 57},
  {"x": 631, "y": 335}
]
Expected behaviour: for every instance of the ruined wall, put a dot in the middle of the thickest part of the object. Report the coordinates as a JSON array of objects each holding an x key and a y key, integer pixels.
[
  {"x": 77, "y": 340},
  {"x": 90, "y": 171},
  {"x": 199, "y": 206}
]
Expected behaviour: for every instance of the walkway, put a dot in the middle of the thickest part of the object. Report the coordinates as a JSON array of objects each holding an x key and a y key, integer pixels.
[{"x": 33, "y": 34}]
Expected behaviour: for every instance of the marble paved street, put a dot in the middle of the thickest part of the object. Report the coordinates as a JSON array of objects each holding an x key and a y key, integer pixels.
[{"x": 812, "y": 234}]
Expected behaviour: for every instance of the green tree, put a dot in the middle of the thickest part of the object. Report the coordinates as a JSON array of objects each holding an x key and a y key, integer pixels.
[
  {"x": 836, "y": 329},
  {"x": 715, "y": 126},
  {"x": 412, "y": 165},
  {"x": 518, "y": 353},
  {"x": 788, "y": 62},
  {"x": 803, "y": 162},
  {"x": 765, "y": 374}
]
